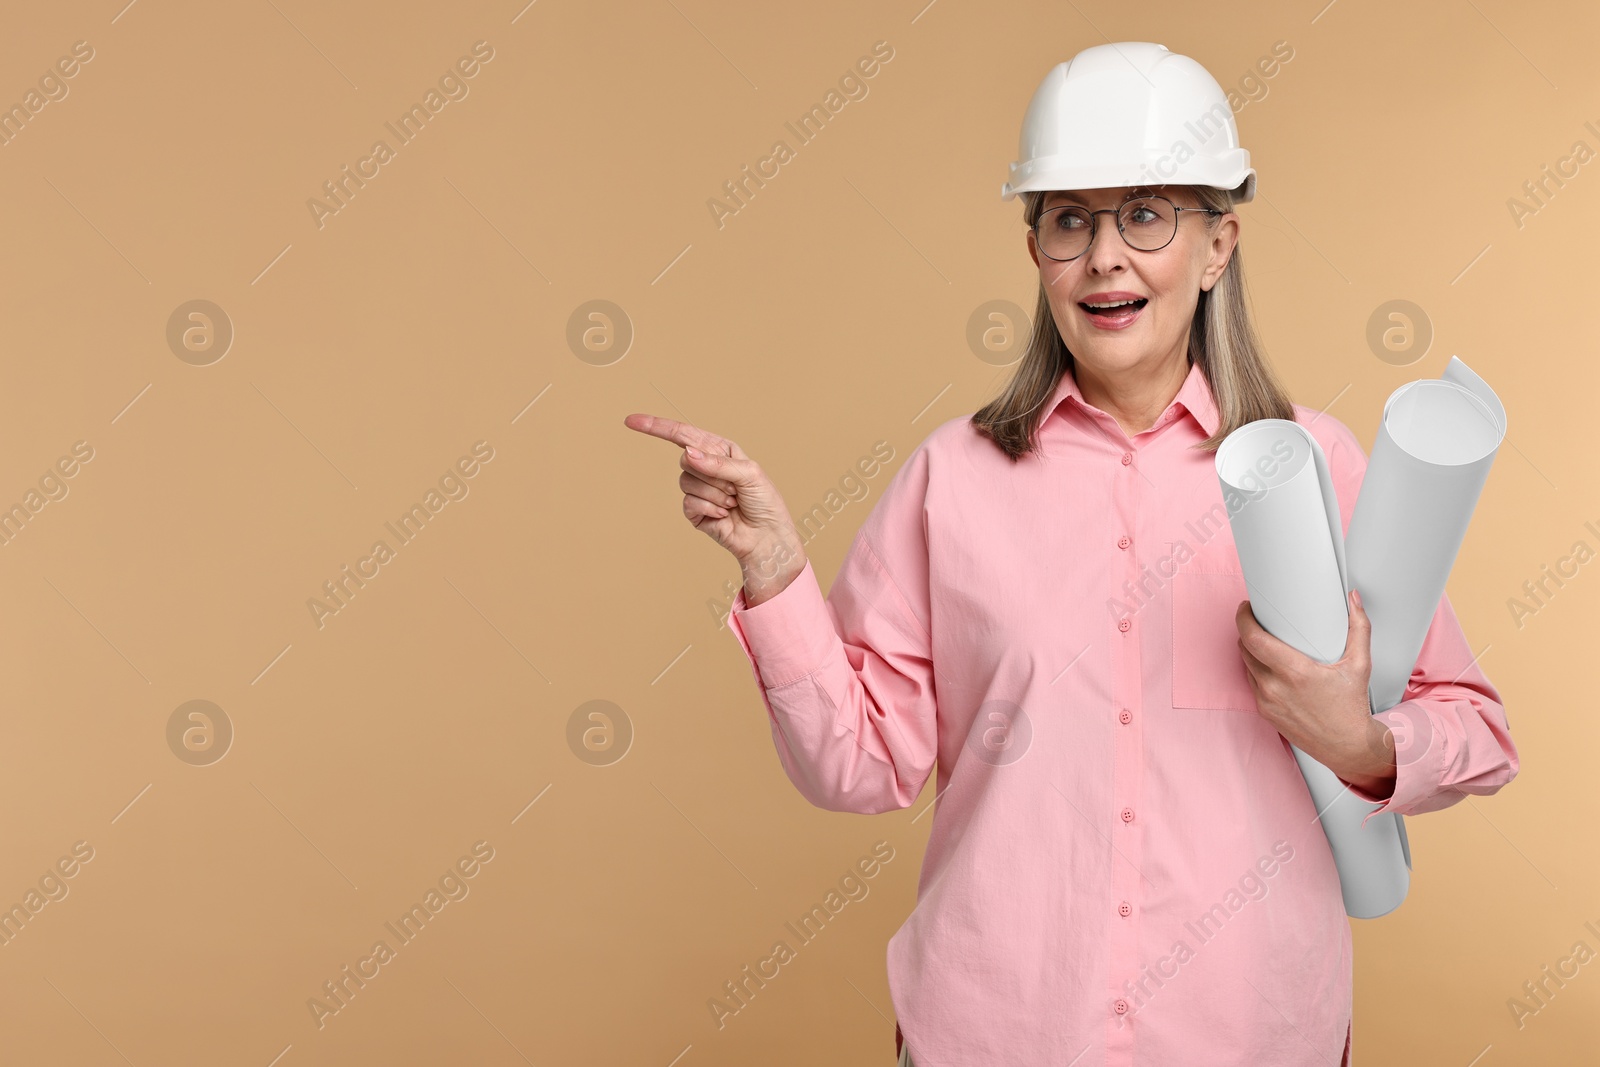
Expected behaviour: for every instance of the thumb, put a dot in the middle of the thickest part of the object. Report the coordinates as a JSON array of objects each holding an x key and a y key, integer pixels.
[
  {"x": 1359, "y": 645},
  {"x": 708, "y": 465}
]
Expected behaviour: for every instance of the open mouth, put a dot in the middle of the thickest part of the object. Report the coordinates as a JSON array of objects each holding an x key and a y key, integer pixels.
[{"x": 1120, "y": 310}]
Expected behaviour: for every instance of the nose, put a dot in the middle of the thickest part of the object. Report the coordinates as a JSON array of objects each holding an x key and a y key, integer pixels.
[{"x": 1107, "y": 249}]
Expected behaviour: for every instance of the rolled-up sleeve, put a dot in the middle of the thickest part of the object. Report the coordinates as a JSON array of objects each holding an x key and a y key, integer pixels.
[
  {"x": 848, "y": 682},
  {"x": 1450, "y": 730}
]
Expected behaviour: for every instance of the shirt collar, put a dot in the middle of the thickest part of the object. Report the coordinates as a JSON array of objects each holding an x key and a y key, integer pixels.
[{"x": 1194, "y": 396}]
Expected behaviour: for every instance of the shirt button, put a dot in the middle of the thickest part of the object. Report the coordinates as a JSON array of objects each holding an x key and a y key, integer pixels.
[
  {"x": 1121, "y": 1006},
  {"x": 1122, "y": 542},
  {"x": 1127, "y": 814},
  {"x": 1124, "y": 908},
  {"x": 1127, "y": 458},
  {"x": 1125, "y": 716},
  {"x": 1123, "y": 625}
]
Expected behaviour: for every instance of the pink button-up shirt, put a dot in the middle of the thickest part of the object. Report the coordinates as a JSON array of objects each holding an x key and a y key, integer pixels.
[{"x": 1125, "y": 865}]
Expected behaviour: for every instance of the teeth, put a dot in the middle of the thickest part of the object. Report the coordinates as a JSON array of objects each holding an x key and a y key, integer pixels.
[{"x": 1117, "y": 304}]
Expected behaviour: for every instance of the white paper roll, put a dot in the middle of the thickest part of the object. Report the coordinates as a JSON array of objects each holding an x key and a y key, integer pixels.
[
  {"x": 1429, "y": 461},
  {"x": 1432, "y": 455}
]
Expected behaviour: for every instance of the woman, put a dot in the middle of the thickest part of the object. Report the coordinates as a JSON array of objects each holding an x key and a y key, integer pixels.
[{"x": 1125, "y": 865}]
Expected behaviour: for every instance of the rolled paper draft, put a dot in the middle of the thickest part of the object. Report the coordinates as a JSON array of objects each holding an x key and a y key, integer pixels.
[
  {"x": 1286, "y": 526},
  {"x": 1430, "y": 459},
  {"x": 1429, "y": 463}
]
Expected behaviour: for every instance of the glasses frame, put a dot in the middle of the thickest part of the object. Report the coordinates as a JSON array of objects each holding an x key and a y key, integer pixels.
[{"x": 1094, "y": 223}]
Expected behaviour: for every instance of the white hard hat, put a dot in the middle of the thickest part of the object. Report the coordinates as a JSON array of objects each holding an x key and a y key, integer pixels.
[{"x": 1129, "y": 114}]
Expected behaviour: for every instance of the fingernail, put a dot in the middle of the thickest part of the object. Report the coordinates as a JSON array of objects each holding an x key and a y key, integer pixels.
[
  {"x": 694, "y": 453},
  {"x": 1356, "y": 593}
]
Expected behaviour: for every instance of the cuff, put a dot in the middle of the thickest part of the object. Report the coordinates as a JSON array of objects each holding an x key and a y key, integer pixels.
[
  {"x": 1419, "y": 759},
  {"x": 788, "y": 636}
]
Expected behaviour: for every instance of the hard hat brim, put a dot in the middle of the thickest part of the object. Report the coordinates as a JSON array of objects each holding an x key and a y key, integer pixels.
[{"x": 1047, "y": 174}]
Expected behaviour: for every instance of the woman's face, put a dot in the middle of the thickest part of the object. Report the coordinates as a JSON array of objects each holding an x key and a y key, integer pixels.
[{"x": 1169, "y": 280}]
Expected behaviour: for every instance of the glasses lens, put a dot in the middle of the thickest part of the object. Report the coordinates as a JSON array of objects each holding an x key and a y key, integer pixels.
[
  {"x": 1064, "y": 232},
  {"x": 1148, "y": 223}
]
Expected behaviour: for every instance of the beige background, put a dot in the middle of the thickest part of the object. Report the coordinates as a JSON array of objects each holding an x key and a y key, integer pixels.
[{"x": 829, "y": 313}]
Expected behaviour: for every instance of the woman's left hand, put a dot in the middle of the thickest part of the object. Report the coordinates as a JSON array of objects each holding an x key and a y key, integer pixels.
[{"x": 1322, "y": 708}]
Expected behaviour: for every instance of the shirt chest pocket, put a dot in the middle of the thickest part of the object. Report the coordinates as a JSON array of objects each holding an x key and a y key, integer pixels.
[{"x": 1207, "y": 667}]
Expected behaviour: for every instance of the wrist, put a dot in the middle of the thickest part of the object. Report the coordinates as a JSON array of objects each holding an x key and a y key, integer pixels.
[
  {"x": 1375, "y": 773},
  {"x": 769, "y": 571},
  {"x": 778, "y": 555}
]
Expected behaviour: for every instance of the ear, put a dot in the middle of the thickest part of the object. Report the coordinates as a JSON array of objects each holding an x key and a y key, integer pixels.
[
  {"x": 1221, "y": 249},
  {"x": 1033, "y": 249}
]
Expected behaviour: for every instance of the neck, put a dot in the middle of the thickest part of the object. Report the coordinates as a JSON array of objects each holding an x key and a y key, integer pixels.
[{"x": 1136, "y": 396}]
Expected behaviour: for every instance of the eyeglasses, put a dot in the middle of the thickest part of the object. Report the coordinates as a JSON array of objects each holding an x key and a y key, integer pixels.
[{"x": 1147, "y": 223}]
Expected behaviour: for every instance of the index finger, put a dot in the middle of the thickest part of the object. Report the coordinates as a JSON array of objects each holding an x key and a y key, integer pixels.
[{"x": 680, "y": 433}]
